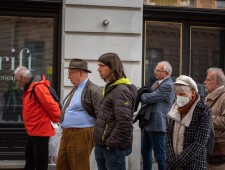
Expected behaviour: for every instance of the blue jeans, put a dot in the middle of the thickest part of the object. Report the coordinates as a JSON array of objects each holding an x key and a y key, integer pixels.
[
  {"x": 110, "y": 159},
  {"x": 155, "y": 141}
]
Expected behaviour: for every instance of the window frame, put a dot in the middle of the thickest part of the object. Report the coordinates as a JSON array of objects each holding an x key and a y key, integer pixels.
[
  {"x": 14, "y": 133},
  {"x": 188, "y": 17}
]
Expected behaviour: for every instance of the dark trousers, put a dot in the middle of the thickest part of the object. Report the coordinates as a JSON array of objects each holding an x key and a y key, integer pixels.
[
  {"x": 153, "y": 141},
  {"x": 37, "y": 153}
]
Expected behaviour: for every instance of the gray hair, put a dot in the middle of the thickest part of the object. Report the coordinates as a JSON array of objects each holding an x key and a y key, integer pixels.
[
  {"x": 166, "y": 67},
  {"x": 219, "y": 74},
  {"x": 23, "y": 71}
]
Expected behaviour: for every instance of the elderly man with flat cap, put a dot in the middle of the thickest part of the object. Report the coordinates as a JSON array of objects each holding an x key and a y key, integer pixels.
[{"x": 77, "y": 119}]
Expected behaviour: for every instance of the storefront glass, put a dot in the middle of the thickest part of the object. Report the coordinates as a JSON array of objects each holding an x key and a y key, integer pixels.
[
  {"x": 210, "y": 4},
  {"x": 207, "y": 50},
  {"x": 28, "y": 42},
  {"x": 162, "y": 42}
]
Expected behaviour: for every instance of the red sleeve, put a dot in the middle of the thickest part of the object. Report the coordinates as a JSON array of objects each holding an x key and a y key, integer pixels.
[{"x": 50, "y": 105}]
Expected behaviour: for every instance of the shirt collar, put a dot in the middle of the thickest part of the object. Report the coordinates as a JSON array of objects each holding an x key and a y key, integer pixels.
[
  {"x": 82, "y": 84},
  {"x": 160, "y": 81}
]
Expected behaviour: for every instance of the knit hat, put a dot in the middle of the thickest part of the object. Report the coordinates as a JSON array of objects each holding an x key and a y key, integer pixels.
[{"x": 187, "y": 81}]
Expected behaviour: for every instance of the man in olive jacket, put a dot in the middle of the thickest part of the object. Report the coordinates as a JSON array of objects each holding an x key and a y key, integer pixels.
[{"x": 113, "y": 129}]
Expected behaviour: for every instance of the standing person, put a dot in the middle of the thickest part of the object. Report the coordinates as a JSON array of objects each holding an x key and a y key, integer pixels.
[
  {"x": 214, "y": 86},
  {"x": 113, "y": 133},
  {"x": 188, "y": 129},
  {"x": 153, "y": 135},
  {"x": 78, "y": 119},
  {"x": 38, "y": 109}
]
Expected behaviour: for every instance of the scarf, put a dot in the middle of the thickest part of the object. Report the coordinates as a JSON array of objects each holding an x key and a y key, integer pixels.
[{"x": 185, "y": 109}]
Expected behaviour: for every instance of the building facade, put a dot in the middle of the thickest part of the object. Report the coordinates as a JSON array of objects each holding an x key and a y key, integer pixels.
[
  {"x": 44, "y": 35},
  {"x": 91, "y": 28}
]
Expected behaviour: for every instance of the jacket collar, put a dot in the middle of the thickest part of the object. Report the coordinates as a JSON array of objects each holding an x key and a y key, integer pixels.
[
  {"x": 119, "y": 81},
  {"x": 215, "y": 93}
]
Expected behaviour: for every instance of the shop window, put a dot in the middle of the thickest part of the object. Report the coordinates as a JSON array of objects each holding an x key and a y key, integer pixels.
[
  {"x": 162, "y": 42},
  {"x": 209, "y": 4},
  {"x": 207, "y": 50},
  {"x": 28, "y": 42}
]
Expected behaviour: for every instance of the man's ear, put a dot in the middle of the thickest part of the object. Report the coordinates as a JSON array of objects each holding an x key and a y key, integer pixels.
[{"x": 218, "y": 83}]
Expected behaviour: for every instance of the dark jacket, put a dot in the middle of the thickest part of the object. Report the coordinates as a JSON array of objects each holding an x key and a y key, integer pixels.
[
  {"x": 90, "y": 98},
  {"x": 144, "y": 113},
  {"x": 113, "y": 127},
  {"x": 193, "y": 156}
]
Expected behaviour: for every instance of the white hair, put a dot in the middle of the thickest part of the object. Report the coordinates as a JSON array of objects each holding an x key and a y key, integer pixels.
[
  {"x": 166, "y": 67},
  {"x": 219, "y": 74},
  {"x": 181, "y": 88},
  {"x": 23, "y": 71}
]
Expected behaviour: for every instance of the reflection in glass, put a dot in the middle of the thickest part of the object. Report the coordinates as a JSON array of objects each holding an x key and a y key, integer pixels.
[
  {"x": 12, "y": 107},
  {"x": 28, "y": 42},
  {"x": 207, "y": 50},
  {"x": 210, "y": 4},
  {"x": 162, "y": 42}
]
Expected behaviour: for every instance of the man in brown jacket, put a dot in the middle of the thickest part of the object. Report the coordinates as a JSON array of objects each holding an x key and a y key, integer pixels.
[
  {"x": 214, "y": 86},
  {"x": 78, "y": 119}
]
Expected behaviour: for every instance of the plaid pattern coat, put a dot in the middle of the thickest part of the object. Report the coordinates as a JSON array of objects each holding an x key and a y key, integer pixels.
[{"x": 193, "y": 156}]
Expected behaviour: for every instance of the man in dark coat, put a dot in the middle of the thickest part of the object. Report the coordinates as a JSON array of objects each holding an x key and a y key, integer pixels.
[{"x": 113, "y": 133}]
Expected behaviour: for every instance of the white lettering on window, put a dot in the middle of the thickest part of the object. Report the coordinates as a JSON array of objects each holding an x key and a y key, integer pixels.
[{"x": 13, "y": 58}]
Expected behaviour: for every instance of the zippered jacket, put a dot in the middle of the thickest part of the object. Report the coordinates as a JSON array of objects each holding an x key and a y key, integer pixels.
[
  {"x": 113, "y": 128},
  {"x": 39, "y": 109}
]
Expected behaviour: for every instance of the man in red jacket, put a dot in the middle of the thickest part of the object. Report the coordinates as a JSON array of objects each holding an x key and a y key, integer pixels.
[{"x": 39, "y": 110}]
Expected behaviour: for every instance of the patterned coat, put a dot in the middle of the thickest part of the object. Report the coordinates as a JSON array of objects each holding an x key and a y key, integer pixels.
[{"x": 193, "y": 154}]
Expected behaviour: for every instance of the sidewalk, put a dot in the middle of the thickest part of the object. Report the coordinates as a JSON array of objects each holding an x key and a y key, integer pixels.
[
  {"x": 12, "y": 164},
  {"x": 19, "y": 165}
]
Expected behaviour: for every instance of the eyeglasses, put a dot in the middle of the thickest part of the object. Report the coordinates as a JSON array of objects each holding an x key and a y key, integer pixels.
[
  {"x": 71, "y": 73},
  {"x": 158, "y": 71}
]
